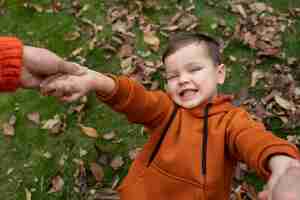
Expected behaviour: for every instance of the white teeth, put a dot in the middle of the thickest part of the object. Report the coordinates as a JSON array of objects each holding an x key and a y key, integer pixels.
[{"x": 187, "y": 93}]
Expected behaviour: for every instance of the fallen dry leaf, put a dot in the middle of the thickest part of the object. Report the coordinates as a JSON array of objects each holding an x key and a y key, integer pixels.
[
  {"x": 71, "y": 36},
  {"x": 89, "y": 131},
  {"x": 117, "y": 162},
  {"x": 109, "y": 136},
  {"x": 107, "y": 194},
  {"x": 256, "y": 75},
  {"x": 12, "y": 120},
  {"x": 134, "y": 152},
  {"x": 97, "y": 171},
  {"x": 34, "y": 117},
  {"x": 284, "y": 103},
  {"x": 258, "y": 7},
  {"x": 151, "y": 39},
  {"x": 76, "y": 52},
  {"x": 55, "y": 125},
  {"x": 28, "y": 194},
  {"x": 8, "y": 129},
  {"x": 57, "y": 184},
  {"x": 126, "y": 50}
]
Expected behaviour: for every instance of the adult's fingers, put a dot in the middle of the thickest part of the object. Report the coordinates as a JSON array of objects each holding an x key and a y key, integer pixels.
[{"x": 71, "y": 68}]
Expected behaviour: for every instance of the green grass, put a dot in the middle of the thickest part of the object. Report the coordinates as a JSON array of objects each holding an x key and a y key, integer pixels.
[{"x": 48, "y": 30}]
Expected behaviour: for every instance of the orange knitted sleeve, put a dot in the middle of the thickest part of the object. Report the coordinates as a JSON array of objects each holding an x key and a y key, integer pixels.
[{"x": 11, "y": 51}]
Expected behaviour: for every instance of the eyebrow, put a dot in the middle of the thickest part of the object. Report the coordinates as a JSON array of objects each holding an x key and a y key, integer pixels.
[{"x": 193, "y": 64}]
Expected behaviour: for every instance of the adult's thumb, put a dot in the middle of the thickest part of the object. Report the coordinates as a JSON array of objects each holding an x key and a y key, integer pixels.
[{"x": 72, "y": 68}]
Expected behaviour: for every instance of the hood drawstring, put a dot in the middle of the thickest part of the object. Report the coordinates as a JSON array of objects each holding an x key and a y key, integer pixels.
[
  {"x": 204, "y": 142},
  {"x": 205, "y": 138},
  {"x": 165, "y": 130}
]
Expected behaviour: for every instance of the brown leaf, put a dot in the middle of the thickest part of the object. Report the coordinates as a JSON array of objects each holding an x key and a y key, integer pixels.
[
  {"x": 57, "y": 184},
  {"x": 71, "y": 36},
  {"x": 91, "y": 132},
  {"x": 258, "y": 7},
  {"x": 97, "y": 171},
  {"x": 107, "y": 194},
  {"x": 250, "y": 39},
  {"x": 294, "y": 139},
  {"x": 120, "y": 27},
  {"x": 54, "y": 125},
  {"x": 285, "y": 104},
  {"x": 8, "y": 129},
  {"x": 109, "y": 136},
  {"x": 117, "y": 162},
  {"x": 126, "y": 50},
  {"x": 134, "y": 152},
  {"x": 256, "y": 75},
  {"x": 151, "y": 39},
  {"x": 34, "y": 117},
  {"x": 240, "y": 9}
]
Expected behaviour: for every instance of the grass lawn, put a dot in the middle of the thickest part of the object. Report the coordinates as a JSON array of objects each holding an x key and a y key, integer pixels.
[{"x": 31, "y": 158}]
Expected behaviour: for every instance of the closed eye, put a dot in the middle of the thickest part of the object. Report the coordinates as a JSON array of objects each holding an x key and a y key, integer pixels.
[
  {"x": 196, "y": 69},
  {"x": 173, "y": 76}
]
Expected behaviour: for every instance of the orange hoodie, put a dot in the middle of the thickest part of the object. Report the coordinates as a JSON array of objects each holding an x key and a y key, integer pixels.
[
  {"x": 11, "y": 52},
  {"x": 191, "y": 153}
]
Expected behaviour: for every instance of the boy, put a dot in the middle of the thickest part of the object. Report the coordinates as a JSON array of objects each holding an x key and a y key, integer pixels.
[{"x": 197, "y": 135}]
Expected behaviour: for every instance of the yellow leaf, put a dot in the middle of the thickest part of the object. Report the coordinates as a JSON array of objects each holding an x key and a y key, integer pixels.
[
  {"x": 91, "y": 132},
  {"x": 151, "y": 39},
  {"x": 28, "y": 194}
]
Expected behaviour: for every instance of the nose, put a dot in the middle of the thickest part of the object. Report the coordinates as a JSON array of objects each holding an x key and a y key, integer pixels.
[{"x": 183, "y": 78}]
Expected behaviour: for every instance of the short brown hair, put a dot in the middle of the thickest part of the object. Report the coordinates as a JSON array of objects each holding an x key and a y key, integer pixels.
[{"x": 183, "y": 39}]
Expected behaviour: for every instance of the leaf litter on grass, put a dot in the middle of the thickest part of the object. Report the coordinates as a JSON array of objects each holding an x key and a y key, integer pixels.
[{"x": 259, "y": 26}]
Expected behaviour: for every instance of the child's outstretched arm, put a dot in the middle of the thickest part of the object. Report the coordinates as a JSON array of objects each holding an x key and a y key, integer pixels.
[
  {"x": 285, "y": 171},
  {"x": 122, "y": 94},
  {"x": 70, "y": 88}
]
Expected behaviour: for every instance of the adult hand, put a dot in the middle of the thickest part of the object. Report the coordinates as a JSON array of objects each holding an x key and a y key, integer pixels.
[{"x": 39, "y": 63}]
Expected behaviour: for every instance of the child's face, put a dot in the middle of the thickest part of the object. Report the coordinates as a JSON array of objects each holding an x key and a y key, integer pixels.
[{"x": 192, "y": 76}]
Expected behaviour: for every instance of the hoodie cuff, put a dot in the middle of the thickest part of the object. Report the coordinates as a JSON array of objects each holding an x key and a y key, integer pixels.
[
  {"x": 11, "y": 53},
  {"x": 262, "y": 165},
  {"x": 119, "y": 96}
]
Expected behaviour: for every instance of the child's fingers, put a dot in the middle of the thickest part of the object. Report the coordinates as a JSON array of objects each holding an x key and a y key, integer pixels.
[
  {"x": 263, "y": 195},
  {"x": 49, "y": 79},
  {"x": 71, "y": 98}
]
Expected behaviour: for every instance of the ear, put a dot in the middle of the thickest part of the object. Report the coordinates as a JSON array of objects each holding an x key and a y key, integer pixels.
[{"x": 221, "y": 73}]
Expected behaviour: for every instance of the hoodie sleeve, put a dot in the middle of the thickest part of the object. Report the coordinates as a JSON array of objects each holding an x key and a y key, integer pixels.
[
  {"x": 11, "y": 51},
  {"x": 249, "y": 141},
  {"x": 129, "y": 97}
]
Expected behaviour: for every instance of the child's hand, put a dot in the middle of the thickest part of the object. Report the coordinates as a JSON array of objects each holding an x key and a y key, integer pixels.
[
  {"x": 288, "y": 185},
  {"x": 284, "y": 182},
  {"x": 39, "y": 64},
  {"x": 68, "y": 87}
]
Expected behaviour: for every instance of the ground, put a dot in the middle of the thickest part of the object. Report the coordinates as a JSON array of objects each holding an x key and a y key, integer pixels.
[{"x": 49, "y": 154}]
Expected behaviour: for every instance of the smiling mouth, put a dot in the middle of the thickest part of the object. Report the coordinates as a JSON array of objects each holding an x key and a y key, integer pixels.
[{"x": 188, "y": 93}]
